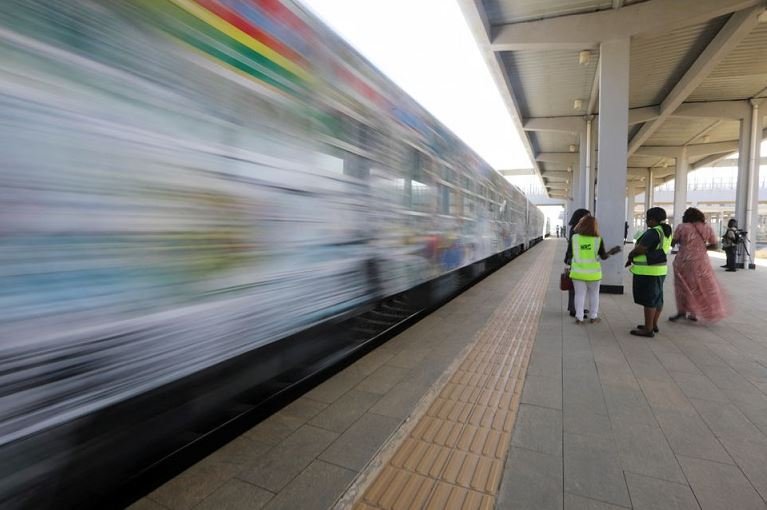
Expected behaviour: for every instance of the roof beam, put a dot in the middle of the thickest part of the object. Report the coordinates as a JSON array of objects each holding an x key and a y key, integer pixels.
[
  {"x": 709, "y": 160},
  {"x": 737, "y": 27},
  {"x": 706, "y": 149},
  {"x": 569, "y": 124},
  {"x": 559, "y": 177},
  {"x": 567, "y": 158},
  {"x": 694, "y": 150},
  {"x": 586, "y": 30},
  {"x": 670, "y": 151},
  {"x": 734, "y": 110},
  {"x": 639, "y": 115},
  {"x": 727, "y": 110}
]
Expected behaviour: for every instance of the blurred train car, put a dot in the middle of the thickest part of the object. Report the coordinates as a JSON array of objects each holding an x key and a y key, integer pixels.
[{"x": 184, "y": 183}]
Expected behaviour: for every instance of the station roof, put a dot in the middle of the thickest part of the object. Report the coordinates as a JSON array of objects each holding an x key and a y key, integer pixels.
[{"x": 694, "y": 67}]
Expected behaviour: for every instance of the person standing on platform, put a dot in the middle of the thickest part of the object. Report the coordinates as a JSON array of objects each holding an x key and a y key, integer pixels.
[
  {"x": 648, "y": 261},
  {"x": 697, "y": 291},
  {"x": 585, "y": 270},
  {"x": 730, "y": 244},
  {"x": 574, "y": 219}
]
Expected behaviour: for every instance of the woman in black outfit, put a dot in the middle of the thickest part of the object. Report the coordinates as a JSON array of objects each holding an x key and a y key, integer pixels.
[
  {"x": 574, "y": 219},
  {"x": 730, "y": 244}
]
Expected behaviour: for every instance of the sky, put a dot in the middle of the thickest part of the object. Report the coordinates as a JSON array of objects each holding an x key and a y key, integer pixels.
[{"x": 426, "y": 47}]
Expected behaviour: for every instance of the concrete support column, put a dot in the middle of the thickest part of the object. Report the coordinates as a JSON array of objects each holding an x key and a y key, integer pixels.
[
  {"x": 593, "y": 165},
  {"x": 585, "y": 194},
  {"x": 741, "y": 189},
  {"x": 754, "y": 160},
  {"x": 630, "y": 205},
  {"x": 747, "y": 192},
  {"x": 576, "y": 188},
  {"x": 649, "y": 194},
  {"x": 612, "y": 155},
  {"x": 680, "y": 186}
]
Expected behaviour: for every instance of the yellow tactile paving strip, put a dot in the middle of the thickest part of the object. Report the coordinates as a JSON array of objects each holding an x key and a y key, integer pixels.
[{"x": 453, "y": 458}]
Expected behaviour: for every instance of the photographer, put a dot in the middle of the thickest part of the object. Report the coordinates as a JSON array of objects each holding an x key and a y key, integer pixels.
[{"x": 730, "y": 244}]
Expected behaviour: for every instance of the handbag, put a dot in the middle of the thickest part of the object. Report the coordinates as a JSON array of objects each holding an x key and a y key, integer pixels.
[{"x": 565, "y": 282}]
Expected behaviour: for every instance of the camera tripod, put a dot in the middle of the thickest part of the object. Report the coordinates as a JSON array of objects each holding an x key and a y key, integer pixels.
[{"x": 743, "y": 241}]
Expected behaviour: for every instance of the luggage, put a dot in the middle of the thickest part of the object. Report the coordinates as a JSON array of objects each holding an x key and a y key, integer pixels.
[{"x": 565, "y": 283}]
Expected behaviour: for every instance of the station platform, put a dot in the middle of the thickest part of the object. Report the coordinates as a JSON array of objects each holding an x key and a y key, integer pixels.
[{"x": 498, "y": 400}]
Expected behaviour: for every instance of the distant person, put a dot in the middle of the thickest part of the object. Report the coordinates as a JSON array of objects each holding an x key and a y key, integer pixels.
[
  {"x": 585, "y": 270},
  {"x": 648, "y": 261},
  {"x": 557, "y": 231},
  {"x": 730, "y": 244},
  {"x": 697, "y": 291},
  {"x": 574, "y": 219},
  {"x": 625, "y": 231}
]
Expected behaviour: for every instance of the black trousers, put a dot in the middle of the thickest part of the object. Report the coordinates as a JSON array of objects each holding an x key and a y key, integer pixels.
[{"x": 730, "y": 256}]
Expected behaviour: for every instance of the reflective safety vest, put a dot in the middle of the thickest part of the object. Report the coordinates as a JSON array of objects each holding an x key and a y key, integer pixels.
[
  {"x": 641, "y": 267},
  {"x": 585, "y": 265}
]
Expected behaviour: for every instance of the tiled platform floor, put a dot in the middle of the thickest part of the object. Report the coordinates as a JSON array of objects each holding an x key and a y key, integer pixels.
[
  {"x": 612, "y": 421},
  {"x": 606, "y": 420}
]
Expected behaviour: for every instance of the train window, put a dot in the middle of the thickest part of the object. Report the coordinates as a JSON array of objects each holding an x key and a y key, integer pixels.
[
  {"x": 356, "y": 166},
  {"x": 421, "y": 194},
  {"x": 444, "y": 199},
  {"x": 468, "y": 206},
  {"x": 455, "y": 204},
  {"x": 332, "y": 163},
  {"x": 351, "y": 130}
]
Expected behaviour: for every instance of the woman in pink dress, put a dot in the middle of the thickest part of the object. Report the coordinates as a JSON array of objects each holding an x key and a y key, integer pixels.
[{"x": 698, "y": 294}]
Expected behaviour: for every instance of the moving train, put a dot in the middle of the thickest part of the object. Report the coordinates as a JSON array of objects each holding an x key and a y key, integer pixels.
[{"x": 188, "y": 183}]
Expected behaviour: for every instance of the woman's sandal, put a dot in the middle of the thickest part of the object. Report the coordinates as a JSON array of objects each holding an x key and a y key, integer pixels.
[
  {"x": 641, "y": 326},
  {"x": 596, "y": 320},
  {"x": 680, "y": 315},
  {"x": 642, "y": 332}
]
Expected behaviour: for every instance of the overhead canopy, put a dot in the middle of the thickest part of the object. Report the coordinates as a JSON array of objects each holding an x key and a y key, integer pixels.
[{"x": 694, "y": 66}]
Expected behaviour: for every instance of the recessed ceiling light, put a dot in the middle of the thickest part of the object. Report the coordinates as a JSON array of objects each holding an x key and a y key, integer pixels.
[{"x": 584, "y": 57}]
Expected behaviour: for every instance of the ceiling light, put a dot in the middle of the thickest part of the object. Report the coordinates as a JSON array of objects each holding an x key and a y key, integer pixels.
[
  {"x": 584, "y": 57},
  {"x": 572, "y": 147},
  {"x": 578, "y": 104},
  {"x": 569, "y": 169}
]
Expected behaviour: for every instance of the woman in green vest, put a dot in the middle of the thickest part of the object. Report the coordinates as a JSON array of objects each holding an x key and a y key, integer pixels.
[
  {"x": 585, "y": 270},
  {"x": 648, "y": 261},
  {"x": 574, "y": 219}
]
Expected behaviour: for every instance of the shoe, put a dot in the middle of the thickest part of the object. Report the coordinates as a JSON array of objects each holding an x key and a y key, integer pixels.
[
  {"x": 641, "y": 326},
  {"x": 691, "y": 317},
  {"x": 729, "y": 271},
  {"x": 642, "y": 332},
  {"x": 724, "y": 266},
  {"x": 596, "y": 320},
  {"x": 578, "y": 322},
  {"x": 676, "y": 317},
  {"x": 572, "y": 314}
]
